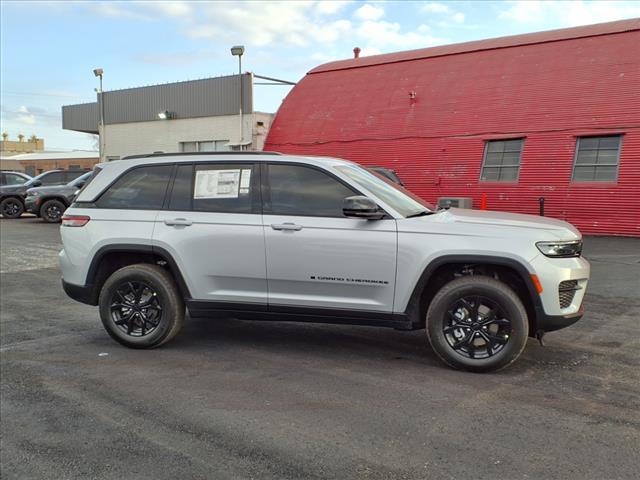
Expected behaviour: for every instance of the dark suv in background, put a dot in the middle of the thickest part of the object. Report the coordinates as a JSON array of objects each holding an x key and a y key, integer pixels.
[
  {"x": 13, "y": 178},
  {"x": 12, "y": 196},
  {"x": 49, "y": 203}
]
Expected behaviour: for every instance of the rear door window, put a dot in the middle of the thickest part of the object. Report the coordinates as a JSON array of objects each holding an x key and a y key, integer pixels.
[{"x": 142, "y": 188}]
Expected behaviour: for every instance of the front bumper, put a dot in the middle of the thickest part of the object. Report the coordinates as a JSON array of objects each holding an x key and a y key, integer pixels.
[
  {"x": 32, "y": 204},
  {"x": 550, "y": 323}
]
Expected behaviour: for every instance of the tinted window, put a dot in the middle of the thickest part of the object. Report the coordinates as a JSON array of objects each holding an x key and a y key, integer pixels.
[
  {"x": 54, "y": 178},
  {"x": 224, "y": 188},
  {"x": 297, "y": 190},
  {"x": 140, "y": 188},
  {"x": 502, "y": 160},
  {"x": 597, "y": 159},
  {"x": 13, "y": 179},
  {"x": 181, "y": 194}
]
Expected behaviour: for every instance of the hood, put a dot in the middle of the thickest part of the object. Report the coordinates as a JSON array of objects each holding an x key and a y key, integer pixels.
[
  {"x": 559, "y": 228},
  {"x": 51, "y": 189}
]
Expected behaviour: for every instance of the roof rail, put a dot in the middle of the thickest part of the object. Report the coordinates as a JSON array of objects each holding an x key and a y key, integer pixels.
[{"x": 163, "y": 154}]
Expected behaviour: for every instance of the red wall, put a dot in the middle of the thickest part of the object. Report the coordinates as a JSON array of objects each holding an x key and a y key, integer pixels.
[{"x": 550, "y": 93}]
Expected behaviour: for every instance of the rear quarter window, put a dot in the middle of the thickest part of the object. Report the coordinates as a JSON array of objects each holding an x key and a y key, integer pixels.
[{"x": 142, "y": 188}]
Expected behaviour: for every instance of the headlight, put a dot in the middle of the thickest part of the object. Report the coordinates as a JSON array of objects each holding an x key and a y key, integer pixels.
[
  {"x": 33, "y": 194},
  {"x": 561, "y": 249}
]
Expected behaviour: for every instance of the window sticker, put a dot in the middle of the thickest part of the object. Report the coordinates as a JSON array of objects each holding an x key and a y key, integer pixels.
[
  {"x": 245, "y": 181},
  {"x": 217, "y": 184}
]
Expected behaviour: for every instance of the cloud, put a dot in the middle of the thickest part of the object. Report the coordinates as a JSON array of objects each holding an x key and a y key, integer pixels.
[
  {"x": 369, "y": 12},
  {"x": 435, "y": 7},
  {"x": 568, "y": 13},
  {"x": 330, "y": 7},
  {"x": 383, "y": 34},
  {"x": 117, "y": 10}
]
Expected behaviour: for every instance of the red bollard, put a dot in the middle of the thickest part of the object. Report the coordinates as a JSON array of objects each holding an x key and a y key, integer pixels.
[{"x": 483, "y": 202}]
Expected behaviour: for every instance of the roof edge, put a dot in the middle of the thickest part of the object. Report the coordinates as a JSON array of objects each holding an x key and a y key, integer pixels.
[{"x": 547, "y": 36}]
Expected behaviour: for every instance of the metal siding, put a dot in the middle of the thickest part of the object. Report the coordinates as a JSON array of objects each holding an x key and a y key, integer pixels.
[
  {"x": 550, "y": 93},
  {"x": 210, "y": 97},
  {"x": 83, "y": 117}
]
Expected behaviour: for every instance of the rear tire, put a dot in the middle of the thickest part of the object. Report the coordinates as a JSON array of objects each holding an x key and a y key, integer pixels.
[
  {"x": 52, "y": 210},
  {"x": 140, "y": 306},
  {"x": 11, "y": 207},
  {"x": 477, "y": 324}
]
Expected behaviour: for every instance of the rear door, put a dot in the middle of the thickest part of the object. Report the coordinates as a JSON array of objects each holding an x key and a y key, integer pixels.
[
  {"x": 212, "y": 226},
  {"x": 315, "y": 256}
]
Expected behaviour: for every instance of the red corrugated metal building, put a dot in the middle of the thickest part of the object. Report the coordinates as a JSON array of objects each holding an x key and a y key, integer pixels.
[{"x": 553, "y": 114}]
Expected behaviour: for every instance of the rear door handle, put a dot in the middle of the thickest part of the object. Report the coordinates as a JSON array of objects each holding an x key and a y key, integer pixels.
[
  {"x": 286, "y": 226},
  {"x": 178, "y": 222}
]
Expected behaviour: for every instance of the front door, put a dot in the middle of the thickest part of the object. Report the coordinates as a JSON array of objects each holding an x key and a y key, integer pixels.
[
  {"x": 212, "y": 227},
  {"x": 315, "y": 256}
]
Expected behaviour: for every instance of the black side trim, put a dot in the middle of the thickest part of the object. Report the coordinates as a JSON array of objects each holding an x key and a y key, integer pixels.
[
  {"x": 82, "y": 294},
  {"x": 284, "y": 313},
  {"x": 413, "y": 307},
  {"x": 136, "y": 248}
]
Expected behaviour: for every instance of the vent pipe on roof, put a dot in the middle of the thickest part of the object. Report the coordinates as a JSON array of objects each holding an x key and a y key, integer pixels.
[{"x": 356, "y": 52}]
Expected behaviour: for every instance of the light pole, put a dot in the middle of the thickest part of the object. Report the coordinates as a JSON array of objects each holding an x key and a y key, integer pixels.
[
  {"x": 238, "y": 50},
  {"x": 98, "y": 72}
]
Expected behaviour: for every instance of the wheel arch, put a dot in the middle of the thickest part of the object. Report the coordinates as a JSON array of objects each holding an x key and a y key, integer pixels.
[
  {"x": 439, "y": 271},
  {"x": 110, "y": 258}
]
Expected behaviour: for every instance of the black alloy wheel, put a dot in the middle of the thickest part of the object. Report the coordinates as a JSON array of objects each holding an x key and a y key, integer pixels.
[
  {"x": 136, "y": 308},
  {"x": 11, "y": 208},
  {"x": 476, "y": 327},
  {"x": 52, "y": 211}
]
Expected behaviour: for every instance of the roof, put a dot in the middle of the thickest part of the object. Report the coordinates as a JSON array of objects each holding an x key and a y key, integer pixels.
[
  {"x": 488, "y": 44},
  {"x": 207, "y": 97},
  {"x": 55, "y": 155}
]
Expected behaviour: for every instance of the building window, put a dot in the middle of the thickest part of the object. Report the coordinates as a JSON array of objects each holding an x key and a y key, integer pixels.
[
  {"x": 501, "y": 160},
  {"x": 597, "y": 159},
  {"x": 205, "y": 146}
]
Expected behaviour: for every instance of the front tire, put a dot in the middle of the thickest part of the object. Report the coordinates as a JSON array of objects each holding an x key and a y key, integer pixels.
[
  {"x": 477, "y": 324},
  {"x": 140, "y": 306},
  {"x": 52, "y": 210},
  {"x": 11, "y": 208}
]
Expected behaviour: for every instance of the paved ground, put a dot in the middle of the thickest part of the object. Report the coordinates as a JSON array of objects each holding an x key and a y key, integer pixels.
[{"x": 276, "y": 400}]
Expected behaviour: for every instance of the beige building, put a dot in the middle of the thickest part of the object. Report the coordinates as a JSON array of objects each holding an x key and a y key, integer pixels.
[
  {"x": 198, "y": 115},
  {"x": 13, "y": 147},
  {"x": 35, "y": 163}
]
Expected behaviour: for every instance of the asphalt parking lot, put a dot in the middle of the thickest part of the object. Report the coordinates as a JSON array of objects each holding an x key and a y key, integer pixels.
[{"x": 240, "y": 399}]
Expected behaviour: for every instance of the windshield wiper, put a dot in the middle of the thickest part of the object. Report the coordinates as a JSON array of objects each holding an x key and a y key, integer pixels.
[{"x": 421, "y": 213}]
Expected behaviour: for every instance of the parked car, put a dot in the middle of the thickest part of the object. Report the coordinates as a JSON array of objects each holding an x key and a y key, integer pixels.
[
  {"x": 388, "y": 173},
  {"x": 12, "y": 196},
  {"x": 268, "y": 236},
  {"x": 49, "y": 203},
  {"x": 13, "y": 178}
]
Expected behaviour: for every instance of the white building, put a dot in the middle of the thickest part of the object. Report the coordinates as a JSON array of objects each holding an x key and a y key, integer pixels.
[{"x": 196, "y": 115}]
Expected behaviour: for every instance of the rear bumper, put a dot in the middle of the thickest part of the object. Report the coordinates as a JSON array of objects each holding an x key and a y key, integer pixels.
[
  {"x": 550, "y": 323},
  {"x": 80, "y": 293}
]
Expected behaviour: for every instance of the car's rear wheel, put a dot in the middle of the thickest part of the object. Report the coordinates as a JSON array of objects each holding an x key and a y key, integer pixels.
[
  {"x": 52, "y": 210},
  {"x": 140, "y": 306},
  {"x": 477, "y": 324},
  {"x": 11, "y": 208}
]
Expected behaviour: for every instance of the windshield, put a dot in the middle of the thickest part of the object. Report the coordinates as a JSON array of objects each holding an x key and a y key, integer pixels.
[
  {"x": 80, "y": 179},
  {"x": 34, "y": 179},
  {"x": 397, "y": 197}
]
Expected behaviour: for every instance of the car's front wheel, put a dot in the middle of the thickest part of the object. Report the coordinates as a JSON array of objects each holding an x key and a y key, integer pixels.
[
  {"x": 477, "y": 323},
  {"x": 140, "y": 306},
  {"x": 11, "y": 208},
  {"x": 52, "y": 210}
]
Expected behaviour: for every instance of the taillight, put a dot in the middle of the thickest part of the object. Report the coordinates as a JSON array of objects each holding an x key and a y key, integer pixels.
[{"x": 75, "y": 220}]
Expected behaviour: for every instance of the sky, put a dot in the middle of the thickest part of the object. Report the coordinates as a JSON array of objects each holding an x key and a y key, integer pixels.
[{"x": 49, "y": 49}]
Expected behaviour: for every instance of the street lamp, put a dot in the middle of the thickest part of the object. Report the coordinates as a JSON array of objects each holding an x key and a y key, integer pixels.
[
  {"x": 98, "y": 72},
  {"x": 237, "y": 51}
]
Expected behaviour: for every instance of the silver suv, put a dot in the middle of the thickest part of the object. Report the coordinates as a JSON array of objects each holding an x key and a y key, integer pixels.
[{"x": 268, "y": 236}]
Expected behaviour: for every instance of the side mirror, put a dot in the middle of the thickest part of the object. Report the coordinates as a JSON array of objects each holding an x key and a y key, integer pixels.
[
  {"x": 80, "y": 185},
  {"x": 361, "y": 207},
  {"x": 37, "y": 183}
]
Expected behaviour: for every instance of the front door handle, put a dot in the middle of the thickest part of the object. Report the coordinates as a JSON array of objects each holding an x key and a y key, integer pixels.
[
  {"x": 178, "y": 222},
  {"x": 286, "y": 226}
]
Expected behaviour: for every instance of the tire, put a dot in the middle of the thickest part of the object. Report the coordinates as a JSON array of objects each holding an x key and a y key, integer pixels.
[
  {"x": 122, "y": 306},
  {"x": 478, "y": 345},
  {"x": 51, "y": 211},
  {"x": 11, "y": 207}
]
